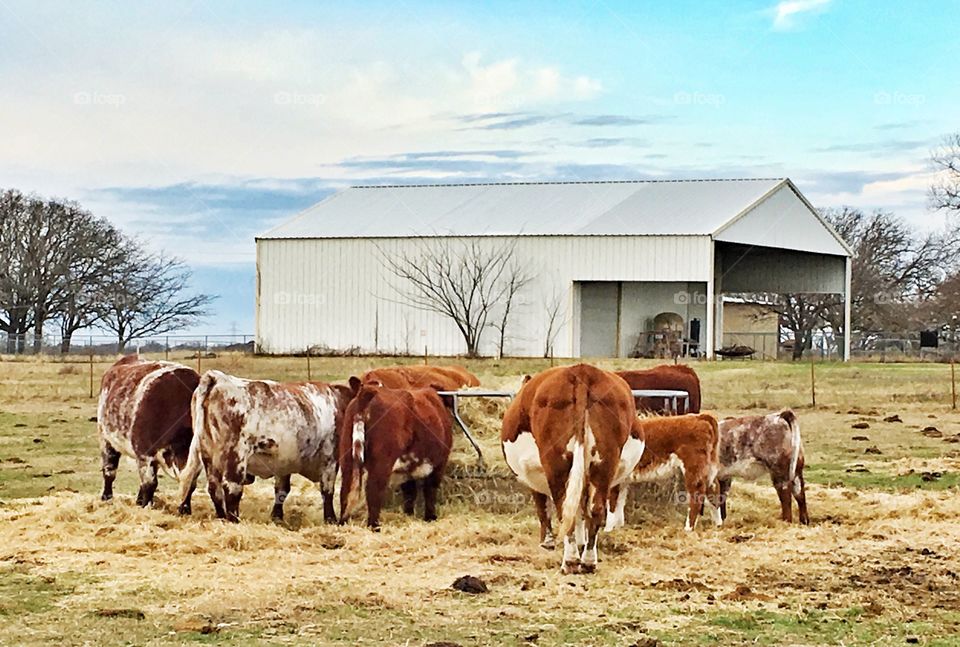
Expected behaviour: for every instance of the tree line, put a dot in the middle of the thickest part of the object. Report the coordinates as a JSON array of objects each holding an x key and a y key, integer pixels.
[{"x": 62, "y": 266}]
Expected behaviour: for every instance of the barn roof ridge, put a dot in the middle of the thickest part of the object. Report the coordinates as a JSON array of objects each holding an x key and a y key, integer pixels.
[{"x": 562, "y": 182}]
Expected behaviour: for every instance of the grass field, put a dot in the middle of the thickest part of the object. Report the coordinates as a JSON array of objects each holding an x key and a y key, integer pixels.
[{"x": 878, "y": 565}]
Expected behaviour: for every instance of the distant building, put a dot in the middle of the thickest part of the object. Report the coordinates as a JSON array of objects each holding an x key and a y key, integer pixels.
[{"x": 616, "y": 254}]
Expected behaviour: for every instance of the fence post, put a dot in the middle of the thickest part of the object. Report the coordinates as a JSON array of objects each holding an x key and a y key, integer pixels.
[
  {"x": 91, "y": 371},
  {"x": 813, "y": 383},
  {"x": 424, "y": 354},
  {"x": 166, "y": 348},
  {"x": 309, "y": 374},
  {"x": 953, "y": 381}
]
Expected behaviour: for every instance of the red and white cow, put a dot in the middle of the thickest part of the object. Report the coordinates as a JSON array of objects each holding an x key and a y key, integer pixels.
[
  {"x": 679, "y": 377},
  {"x": 754, "y": 445},
  {"x": 690, "y": 443},
  {"x": 144, "y": 413},
  {"x": 569, "y": 436},
  {"x": 393, "y": 436},
  {"x": 258, "y": 428}
]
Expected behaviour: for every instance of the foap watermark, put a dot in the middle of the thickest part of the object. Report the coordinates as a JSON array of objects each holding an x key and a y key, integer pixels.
[
  {"x": 713, "y": 99},
  {"x": 113, "y": 100},
  {"x": 298, "y": 299},
  {"x": 897, "y": 98},
  {"x": 289, "y": 98}
]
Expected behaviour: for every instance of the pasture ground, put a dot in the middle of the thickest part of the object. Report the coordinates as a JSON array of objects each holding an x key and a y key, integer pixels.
[{"x": 878, "y": 565}]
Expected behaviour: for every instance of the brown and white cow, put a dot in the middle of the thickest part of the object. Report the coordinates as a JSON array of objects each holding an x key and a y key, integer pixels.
[
  {"x": 417, "y": 376},
  {"x": 391, "y": 436},
  {"x": 754, "y": 445},
  {"x": 677, "y": 377},
  {"x": 569, "y": 436},
  {"x": 258, "y": 428},
  {"x": 690, "y": 443},
  {"x": 144, "y": 413}
]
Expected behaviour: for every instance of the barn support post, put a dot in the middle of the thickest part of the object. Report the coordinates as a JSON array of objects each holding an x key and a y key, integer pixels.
[
  {"x": 848, "y": 274},
  {"x": 710, "y": 334}
]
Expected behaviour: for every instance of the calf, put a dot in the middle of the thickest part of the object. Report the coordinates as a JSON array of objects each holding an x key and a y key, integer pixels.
[
  {"x": 249, "y": 428},
  {"x": 414, "y": 376},
  {"x": 569, "y": 436},
  {"x": 771, "y": 444},
  {"x": 144, "y": 412},
  {"x": 393, "y": 435},
  {"x": 690, "y": 443},
  {"x": 677, "y": 377}
]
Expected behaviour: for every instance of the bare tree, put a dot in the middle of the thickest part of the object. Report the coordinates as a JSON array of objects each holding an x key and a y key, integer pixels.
[
  {"x": 461, "y": 279},
  {"x": 553, "y": 307},
  {"x": 15, "y": 269},
  {"x": 945, "y": 193},
  {"x": 148, "y": 295},
  {"x": 516, "y": 279}
]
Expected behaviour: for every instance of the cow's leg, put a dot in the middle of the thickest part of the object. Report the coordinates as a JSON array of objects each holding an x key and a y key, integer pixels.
[
  {"x": 409, "y": 489},
  {"x": 596, "y": 512},
  {"x": 696, "y": 494},
  {"x": 328, "y": 479},
  {"x": 784, "y": 488},
  {"x": 109, "y": 460},
  {"x": 542, "y": 503},
  {"x": 376, "y": 490},
  {"x": 616, "y": 503},
  {"x": 232, "y": 493},
  {"x": 215, "y": 489},
  {"x": 281, "y": 489},
  {"x": 430, "y": 486},
  {"x": 800, "y": 494},
  {"x": 147, "y": 466},
  {"x": 724, "y": 487}
]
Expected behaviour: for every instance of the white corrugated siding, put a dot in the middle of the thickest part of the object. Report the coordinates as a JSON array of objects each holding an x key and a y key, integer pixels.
[{"x": 337, "y": 293}]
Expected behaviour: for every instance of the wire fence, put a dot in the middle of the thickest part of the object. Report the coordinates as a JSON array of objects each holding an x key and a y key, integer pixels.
[{"x": 82, "y": 345}]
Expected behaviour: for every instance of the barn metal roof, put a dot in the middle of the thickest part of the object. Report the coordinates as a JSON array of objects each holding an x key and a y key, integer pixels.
[{"x": 651, "y": 208}]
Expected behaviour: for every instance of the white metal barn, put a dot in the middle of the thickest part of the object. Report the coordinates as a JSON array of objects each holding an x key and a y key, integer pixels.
[{"x": 614, "y": 254}]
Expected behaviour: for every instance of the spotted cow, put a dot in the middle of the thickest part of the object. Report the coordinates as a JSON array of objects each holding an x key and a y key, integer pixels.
[
  {"x": 144, "y": 413},
  {"x": 569, "y": 436},
  {"x": 690, "y": 443},
  {"x": 258, "y": 428},
  {"x": 393, "y": 436},
  {"x": 416, "y": 376},
  {"x": 751, "y": 446}
]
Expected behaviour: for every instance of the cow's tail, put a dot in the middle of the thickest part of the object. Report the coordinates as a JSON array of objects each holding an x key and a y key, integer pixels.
[
  {"x": 198, "y": 414},
  {"x": 583, "y": 442},
  {"x": 796, "y": 444},
  {"x": 358, "y": 441}
]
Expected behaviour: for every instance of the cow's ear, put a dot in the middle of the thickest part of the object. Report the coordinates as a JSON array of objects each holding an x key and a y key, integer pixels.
[
  {"x": 526, "y": 378},
  {"x": 355, "y": 384}
]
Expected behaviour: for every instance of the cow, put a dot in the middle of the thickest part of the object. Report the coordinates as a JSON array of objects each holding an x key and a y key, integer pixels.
[
  {"x": 691, "y": 443},
  {"x": 144, "y": 413},
  {"x": 677, "y": 377},
  {"x": 414, "y": 376},
  {"x": 388, "y": 436},
  {"x": 569, "y": 436},
  {"x": 258, "y": 428},
  {"x": 753, "y": 445}
]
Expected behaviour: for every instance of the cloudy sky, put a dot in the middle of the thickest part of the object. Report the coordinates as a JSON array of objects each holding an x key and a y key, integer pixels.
[{"x": 196, "y": 125}]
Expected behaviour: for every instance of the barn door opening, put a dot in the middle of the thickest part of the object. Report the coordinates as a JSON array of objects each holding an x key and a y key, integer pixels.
[{"x": 600, "y": 306}]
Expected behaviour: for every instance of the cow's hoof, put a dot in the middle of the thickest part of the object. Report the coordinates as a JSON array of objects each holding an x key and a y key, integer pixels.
[
  {"x": 374, "y": 527},
  {"x": 106, "y": 497},
  {"x": 429, "y": 517},
  {"x": 587, "y": 568},
  {"x": 570, "y": 568},
  {"x": 549, "y": 543},
  {"x": 185, "y": 509}
]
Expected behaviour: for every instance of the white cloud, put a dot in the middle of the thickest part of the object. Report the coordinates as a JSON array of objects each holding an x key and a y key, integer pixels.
[{"x": 787, "y": 11}]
